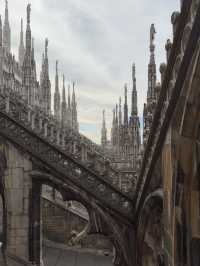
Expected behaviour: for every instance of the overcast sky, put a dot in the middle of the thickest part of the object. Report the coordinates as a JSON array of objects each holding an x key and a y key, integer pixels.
[{"x": 96, "y": 42}]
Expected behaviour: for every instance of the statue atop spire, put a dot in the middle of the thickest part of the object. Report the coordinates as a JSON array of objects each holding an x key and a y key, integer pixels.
[
  {"x": 152, "y": 35},
  {"x": 152, "y": 43},
  {"x": 28, "y": 13}
]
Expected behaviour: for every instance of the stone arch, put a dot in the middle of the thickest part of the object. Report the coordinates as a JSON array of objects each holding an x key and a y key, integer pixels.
[
  {"x": 149, "y": 229},
  {"x": 100, "y": 222}
]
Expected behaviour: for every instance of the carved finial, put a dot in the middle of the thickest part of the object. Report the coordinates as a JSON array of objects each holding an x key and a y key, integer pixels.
[{"x": 28, "y": 13}]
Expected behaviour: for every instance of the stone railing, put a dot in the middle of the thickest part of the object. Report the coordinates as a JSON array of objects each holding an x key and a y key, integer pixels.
[
  {"x": 74, "y": 143},
  {"x": 186, "y": 27},
  {"x": 41, "y": 137},
  {"x": 67, "y": 139}
]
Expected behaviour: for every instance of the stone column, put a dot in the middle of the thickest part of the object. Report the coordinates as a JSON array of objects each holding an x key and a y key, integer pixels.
[
  {"x": 168, "y": 205},
  {"x": 17, "y": 188},
  {"x": 35, "y": 224}
]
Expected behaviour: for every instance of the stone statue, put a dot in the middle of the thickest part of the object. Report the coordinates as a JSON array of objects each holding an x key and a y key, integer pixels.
[
  {"x": 28, "y": 13},
  {"x": 152, "y": 35}
]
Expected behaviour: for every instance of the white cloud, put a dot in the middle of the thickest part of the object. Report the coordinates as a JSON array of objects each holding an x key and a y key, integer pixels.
[{"x": 96, "y": 43}]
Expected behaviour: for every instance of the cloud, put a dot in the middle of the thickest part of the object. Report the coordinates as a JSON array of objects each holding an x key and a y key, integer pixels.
[{"x": 96, "y": 43}]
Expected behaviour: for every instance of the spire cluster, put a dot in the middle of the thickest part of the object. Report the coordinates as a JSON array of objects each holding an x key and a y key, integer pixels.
[
  {"x": 125, "y": 135},
  {"x": 37, "y": 93}
]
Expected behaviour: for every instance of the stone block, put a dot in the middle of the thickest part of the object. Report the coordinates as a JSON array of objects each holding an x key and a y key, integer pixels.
[{"x": 15, "y": 201}]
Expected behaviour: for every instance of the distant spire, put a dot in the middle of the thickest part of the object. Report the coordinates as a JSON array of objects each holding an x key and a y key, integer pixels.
[
  {"x": 116, "y": 118},
  {"x": 120, "y": 111},
  {"x": 152, "y": 66},
  {"x": 125, "y": 106},
  {"x": 134, "y": 110},
  {"x": 104, "y": 132},
  {"x": 73, "y": 94},
  {"x": 28, "y": 31},
  {"x": 42, "y": 70},
  {"x": 46, "y": 84},
  {"x": 104, "y": 120},
  {"x": 22, "y": 33},
  {"x": 74, "y": 110},
  {"x": 64, "y": 105},
  {"x": 21, "y": 51},
  {"x": 46, "y": 60},
  {"x": 152, "y": 45},
  {"x": 56, "y": 78},
  {"x": 6, "y": 30},
  {"x": 6, "y": 10},
  {"x": 69, "y": 98},
  {"x": 57, "y": 96},
  {"x": 1, "y": 33},
  {"x": 63, "y": 93},
  {"x": 113, "y": 118},
  {"x": 46, "y": 48}
]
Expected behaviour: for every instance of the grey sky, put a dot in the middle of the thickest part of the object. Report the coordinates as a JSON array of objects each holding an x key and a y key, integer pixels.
[{"x": 96, "y": 42}]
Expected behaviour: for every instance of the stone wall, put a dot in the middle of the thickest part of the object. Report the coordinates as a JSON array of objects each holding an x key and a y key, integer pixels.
[{"x": 1, "y": 218}]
